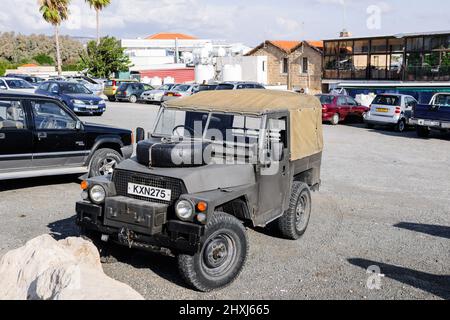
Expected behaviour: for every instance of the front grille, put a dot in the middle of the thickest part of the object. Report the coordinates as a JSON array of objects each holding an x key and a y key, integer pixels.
[{"x": 121, "y": 179}]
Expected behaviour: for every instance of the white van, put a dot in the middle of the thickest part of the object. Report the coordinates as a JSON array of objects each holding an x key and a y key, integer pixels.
[{"x": 390, "y": 110}]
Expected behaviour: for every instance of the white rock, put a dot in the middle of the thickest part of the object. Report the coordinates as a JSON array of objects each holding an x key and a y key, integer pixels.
[{"x": 69, "y": 269}]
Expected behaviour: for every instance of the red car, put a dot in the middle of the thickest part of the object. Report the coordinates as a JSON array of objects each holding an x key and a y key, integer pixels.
[{"x": 336, "y": 108}]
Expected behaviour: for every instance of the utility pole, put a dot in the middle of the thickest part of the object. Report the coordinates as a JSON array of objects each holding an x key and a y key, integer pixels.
[{"x": 177, "y": 55}]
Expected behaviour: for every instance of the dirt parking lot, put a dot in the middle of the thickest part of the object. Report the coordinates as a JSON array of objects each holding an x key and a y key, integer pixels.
[{"x": 384, "y": 203}]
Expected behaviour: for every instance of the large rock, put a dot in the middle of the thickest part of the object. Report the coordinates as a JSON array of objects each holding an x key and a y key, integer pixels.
[{"x": 69, "y": 269}]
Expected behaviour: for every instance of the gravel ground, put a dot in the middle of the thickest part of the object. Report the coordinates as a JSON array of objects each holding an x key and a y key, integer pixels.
[{"x": 384, "y": 202}]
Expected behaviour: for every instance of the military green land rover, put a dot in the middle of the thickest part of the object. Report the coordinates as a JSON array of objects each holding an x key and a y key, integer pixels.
[{"x": 216, "y": 163}]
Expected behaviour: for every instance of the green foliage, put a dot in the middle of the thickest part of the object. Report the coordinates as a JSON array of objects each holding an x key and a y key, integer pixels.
[
  {"x": 54, "y": 11},
  {"x": 44, "y": 59},
  {"x": 105, "y": 59},
  {"x": 98, "y": 4}
]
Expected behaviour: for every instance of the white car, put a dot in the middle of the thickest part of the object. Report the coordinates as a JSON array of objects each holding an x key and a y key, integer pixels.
[
  {"x": 179, "y": 91},
  {"x": 16, "y": 85},
  {"x": 390, "y": 110},
  {"x": 156, "y": 94}
]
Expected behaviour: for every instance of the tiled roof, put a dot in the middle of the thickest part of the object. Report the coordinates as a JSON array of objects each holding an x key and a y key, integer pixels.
[
  {"x": 170, "y": 36},
  {"x": 286, "y": 46},
  {"x": 315, "y": 43}
]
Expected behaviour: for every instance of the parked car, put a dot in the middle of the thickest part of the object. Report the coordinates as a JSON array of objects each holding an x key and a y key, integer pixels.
[
  {"x": 95, "y": 87},
  {"x": 112, "y": 85},
  {"x": 16, "y": 84},
  {"x": 239, "y": 85},
  {"x": 174, "y": 198},
  {"x": 34, "y": 81},
  {"x": 41, "y": 136},
  {"x": 132, "y": 92},
  {"x": 207, "y": 87},
  {"x": 179, "y": 91},
  {"x": 337, "y": 108},
  {"x": 432, "y": 116},
  {"x": 74, "y": 95},
  {"x": 390, "y": 110},
  {"x": 155, "y": 95}
]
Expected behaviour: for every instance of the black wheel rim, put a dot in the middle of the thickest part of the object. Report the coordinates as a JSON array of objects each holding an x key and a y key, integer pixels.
[
  {"x": 302, "y": 212},
  {"x": 107, "y": 166},
  {"x": 219, "y": 254}
]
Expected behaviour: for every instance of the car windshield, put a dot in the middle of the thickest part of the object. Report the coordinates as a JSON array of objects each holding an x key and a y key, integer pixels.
[
  {"x": 166, "y": 87},
  {"x": 74, "y": 88},
  {"x": 220, "y": 127},
  {"x": 225, "y": 86},
  {"x": 387, "y": 100},
  {"x": 324, "y": 99},
  {"x": 19, "y": 84},
  {"x": 443, "y": 100},
  {"x": 181, "y": 87}
]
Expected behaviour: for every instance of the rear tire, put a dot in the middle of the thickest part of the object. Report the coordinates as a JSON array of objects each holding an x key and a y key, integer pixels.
[
  {"x": 294, "y": 222},
  {"x": 335, "y": 119},
  {"x": 222, "y": 257},
  {"x": 423, "y": 132},
  {"x": 103, "y": 162},
  {"x": 401, "y": 126},
  {"x": 111, "y": 99}
]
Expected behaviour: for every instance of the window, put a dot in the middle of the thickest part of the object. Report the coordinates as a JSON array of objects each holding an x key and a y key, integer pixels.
[
  {"x": 285, "y": 65},
  {"x": 50, "y": 116},
  {"x": 342, "y": 101},
  {"x": 361, "y": 46},
  {"x": 414, "y": 44},
  {"x": 379, "y": 45},
  {"x": 234, "y": 128},
  {"x": 264, "y": 66},
  {"x": 54, "y": 88},
  {"x": 305, "y": 65},
  {"x": 44, "y": 86},
  {"x": 386, "y": 100},
  {"x": 74, "y": 88},
  {"x": 2, "y": 84},
  {"x": 225, "y": 86},
  {"x": 276, "y": 138},
  {"x": 18, "y": 84},
  {"x": 351, "y": 101},
  {"x": 325, "y": 99},
  {"x": 443, "y": 100},
  {"x": 331, "y": 48},
  {"x": 181, "y": 123},
  {"x": 396, "y": 45},
  {"x": 12, "y": 116},
  {"x": 378, "y": 64},
  {"x": 360, "y": 63}
]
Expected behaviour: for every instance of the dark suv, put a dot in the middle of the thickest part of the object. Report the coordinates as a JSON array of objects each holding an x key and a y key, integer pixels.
[
  {"x": 132, "y": 92},
  {"x": 40, "y": 136}
]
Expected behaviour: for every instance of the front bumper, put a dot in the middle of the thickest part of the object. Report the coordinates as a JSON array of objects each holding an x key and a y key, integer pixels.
[
  {"x": 143, "y": 227},
  {"x": 85, "y": 109},
  {"x": 430, "y": 123}
]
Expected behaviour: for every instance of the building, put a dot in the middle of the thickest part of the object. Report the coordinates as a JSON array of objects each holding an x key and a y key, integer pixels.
[
  {"x": 416, "y": 64},
  {"x": 296, "y": 65}
]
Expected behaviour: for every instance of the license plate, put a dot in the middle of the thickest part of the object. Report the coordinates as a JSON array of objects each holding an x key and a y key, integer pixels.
[
  {"x": 149, "y": 192},
  {"x": 428, "y": 123},
  {"x": 170, "y": 94},
  {"x": 382, "y": 110},
  {"x": 92, "y": 107}
]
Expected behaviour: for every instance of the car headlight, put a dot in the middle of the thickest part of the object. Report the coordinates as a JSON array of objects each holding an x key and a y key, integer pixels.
[
  {"x": 77, "y": 101},
  {"x": 102, "y": 102},
  {"x": 97, "y": 194},
  {"x": 184, "y": 209}
]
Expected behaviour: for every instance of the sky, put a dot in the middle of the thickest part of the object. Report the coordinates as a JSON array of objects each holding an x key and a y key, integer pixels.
[{"x": 248, "y": 21}]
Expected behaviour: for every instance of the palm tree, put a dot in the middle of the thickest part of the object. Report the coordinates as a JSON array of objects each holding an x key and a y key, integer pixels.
[
  {"x": 55, "y": 12},
  {"x": 98, "y": 5}
]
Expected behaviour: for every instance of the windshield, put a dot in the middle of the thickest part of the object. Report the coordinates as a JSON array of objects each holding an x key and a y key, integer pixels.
[
  {"x": 324, "y": 99},
  {"x": 221, "y": 127},
  {"x": 181, "y": 88},
  {"x": 18, "y": 84},
  {"x": 387, "y": 100},
  {"x": 166, "y": 87},
  {"x": 74, "y": 88},
  {"x": 443, "y": 100}
]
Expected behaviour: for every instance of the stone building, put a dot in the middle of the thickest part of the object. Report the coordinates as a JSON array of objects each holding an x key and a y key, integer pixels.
[{"x": 295, "y": 64}]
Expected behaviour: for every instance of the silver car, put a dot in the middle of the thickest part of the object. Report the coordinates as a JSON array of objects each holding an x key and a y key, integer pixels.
[
  {"x": 156, "y": 95},
  {"x": 179, "y": 91}
]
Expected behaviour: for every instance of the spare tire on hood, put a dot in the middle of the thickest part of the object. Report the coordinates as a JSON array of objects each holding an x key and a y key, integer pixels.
[{"x": 154, "y": 153}]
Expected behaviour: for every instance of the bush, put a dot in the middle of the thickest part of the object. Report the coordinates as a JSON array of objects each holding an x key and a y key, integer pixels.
[{"x": 44, "y": 60}]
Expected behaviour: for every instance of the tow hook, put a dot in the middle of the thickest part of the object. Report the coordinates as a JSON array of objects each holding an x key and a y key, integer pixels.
[{"x": 126, "y": 237}]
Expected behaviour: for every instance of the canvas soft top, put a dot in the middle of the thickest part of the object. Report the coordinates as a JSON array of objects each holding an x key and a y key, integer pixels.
[
  {"x": 251, "y": 101},
  {"x": 305, "y": 112}
]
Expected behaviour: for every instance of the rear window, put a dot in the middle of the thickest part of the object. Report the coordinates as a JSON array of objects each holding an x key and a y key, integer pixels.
[
  {"x": 387, "y": 100},
  {"x": 326, "y": 99},
  {"x": 123, "y": 86}
]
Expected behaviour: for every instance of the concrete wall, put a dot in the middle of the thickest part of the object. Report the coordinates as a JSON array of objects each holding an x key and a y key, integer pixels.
[{"x": 253, "y": 68}]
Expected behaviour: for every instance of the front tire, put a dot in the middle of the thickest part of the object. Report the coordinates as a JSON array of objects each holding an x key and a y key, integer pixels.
[
  {"x": 103, "y": 162},
  {"x": 222, "y": 257},
  {"x": 294, "y": 222}
]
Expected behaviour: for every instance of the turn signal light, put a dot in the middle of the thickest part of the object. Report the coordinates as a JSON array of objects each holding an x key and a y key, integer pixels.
[
  {"x": 202, "y": 206},
  {"x": 84, "y": 185},
  {"x": 398, "y": 110}
]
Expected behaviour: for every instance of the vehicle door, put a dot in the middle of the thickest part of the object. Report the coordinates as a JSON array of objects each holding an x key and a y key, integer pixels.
[
  {"x": 353, "y": 106},
  {"x": 53, "y": 90},
  {"x": 410, "y": 104},
  {"x": 16, "y": 136},
  {"x": 442, "y": 107},
  {"x": 273, "y": 178},
  {"x": 342, "y": 106},
  {"x": 58, "y": 138}
]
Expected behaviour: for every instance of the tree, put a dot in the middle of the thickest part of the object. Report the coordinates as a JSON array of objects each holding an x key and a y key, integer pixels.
[
  {"x": 55, "y": 12},
  {"x": 44, "y": 59},
  {"x": 98, "y": 5},
  {"x": 105, "y": 59}
]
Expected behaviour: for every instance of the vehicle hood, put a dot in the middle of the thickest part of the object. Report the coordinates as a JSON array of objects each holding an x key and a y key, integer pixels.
[
  {"x": 83, "y": 97},
  {"x": 100, "y": 128},
  {"x": 199, "y": 179}
]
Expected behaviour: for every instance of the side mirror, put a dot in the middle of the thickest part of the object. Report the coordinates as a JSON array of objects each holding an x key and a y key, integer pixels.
[
  {"x": 78, "y": 125},
  {"x": 140, "y": 135}
]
